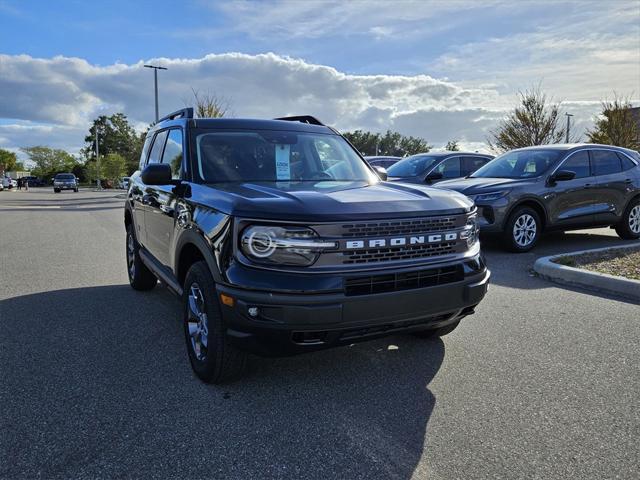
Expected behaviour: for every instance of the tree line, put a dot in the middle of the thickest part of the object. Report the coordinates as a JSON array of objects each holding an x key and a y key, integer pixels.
[{"x": 535, "y": 120}]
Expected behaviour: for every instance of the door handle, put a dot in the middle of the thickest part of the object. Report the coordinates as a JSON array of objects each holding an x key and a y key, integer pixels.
[
  {"x": 628, "y": 181},
  {"x": 589, "y": 185}
]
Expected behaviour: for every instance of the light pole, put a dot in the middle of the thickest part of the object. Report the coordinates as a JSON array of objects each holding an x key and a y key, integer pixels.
[
  {"x": 569, "y": 115},
  {"x": 98, "y": 186},
  {"x": 155, "y": 83}
]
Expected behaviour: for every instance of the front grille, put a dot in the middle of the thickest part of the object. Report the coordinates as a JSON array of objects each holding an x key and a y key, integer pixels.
[
  {"x": 404, "y": 253},
  {"x": 403, "y": 281},
  {"x": 400, "y": 227}
]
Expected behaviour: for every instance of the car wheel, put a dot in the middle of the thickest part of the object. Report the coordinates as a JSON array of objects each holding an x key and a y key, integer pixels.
[
  {"x": 437, "y": 332},
  {"x": 522, "y": 230},
  {"x": 75, "y": 190},
  {"x": 140, "y": 277},
  {"x": 212, "y": 357},
  {"x": 629, "y": 226},
  {"x": 56, "y": 190}
]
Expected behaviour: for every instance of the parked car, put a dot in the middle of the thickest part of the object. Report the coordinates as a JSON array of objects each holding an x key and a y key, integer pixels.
[
  {"x": 9, "y": 183},
  {"x": 556, "y": 187},
  {"x": 382, "y": 161},
  {"x": 124, "y": 183},
  {"x": 34, "y": 181},
  {"x": 281, "y": 239},
  {"x": 433, "y": 167},
  {"x": 65, "y": 181}
]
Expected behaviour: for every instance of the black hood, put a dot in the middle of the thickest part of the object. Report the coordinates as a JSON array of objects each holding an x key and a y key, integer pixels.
[
  {"x": 473, "y": 186},
  {"x": 328, "y": 201}
]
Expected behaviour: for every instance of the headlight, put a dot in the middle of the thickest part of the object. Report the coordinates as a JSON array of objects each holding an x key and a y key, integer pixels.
[
  {"x": 282, "y": 245},
  {"x": 489, "y": 197},
  {"x": 470, "y": 232}
]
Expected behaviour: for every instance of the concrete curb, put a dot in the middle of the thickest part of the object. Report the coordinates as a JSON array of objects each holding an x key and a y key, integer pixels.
[{"x": 600, "y": 282}]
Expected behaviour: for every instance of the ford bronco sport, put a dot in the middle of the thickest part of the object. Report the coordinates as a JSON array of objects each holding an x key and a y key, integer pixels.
[{"x": 280, "y": 239}]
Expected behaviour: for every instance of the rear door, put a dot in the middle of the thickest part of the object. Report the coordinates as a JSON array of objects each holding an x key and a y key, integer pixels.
[
  {"x": 161, "y": 201},
  {"x": 611, "y": 186},
  {"x": 572, "y": 203}
]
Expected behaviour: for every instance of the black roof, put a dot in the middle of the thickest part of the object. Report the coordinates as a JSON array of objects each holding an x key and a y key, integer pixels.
[{"x": 449, "y": 153}]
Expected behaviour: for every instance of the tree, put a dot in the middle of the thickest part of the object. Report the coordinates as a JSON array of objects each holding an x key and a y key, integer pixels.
[
  {"x": 115, "y": 135},
  {"x": 113, "y": 166},
  {"x": 8, "y": 161},
  {"x": 616, "y": 125},
  {"x": 49, "y": 161},
  {"x": 535, "y": 121},
  {"x": 208, "y": 105},
  {"x": 452, "y": 146},
  {"x": 391, "y": 143}
]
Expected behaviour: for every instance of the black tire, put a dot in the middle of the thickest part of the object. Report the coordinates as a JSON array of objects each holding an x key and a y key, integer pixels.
[
  {"x": 218, "y": 361},
  {"x": 523, "y": 216},
  {"x": 140, "y": 277},
  {"x": 630, "y": 221},
  {"x": 437, "y": 332},
  {"x": 75, "y": 190},
  {"x": 55, "y": 190}
]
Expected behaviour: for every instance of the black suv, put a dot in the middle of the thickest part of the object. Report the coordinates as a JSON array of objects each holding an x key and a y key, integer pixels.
[
  {"x": 281, "y": 239},
  {"x": 556, "y": 187}
]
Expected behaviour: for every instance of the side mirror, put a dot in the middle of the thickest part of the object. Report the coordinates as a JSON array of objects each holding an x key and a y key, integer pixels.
[
  {"x": 382, "y": 172},
  {"x": 562, "y": 176},
  {"x": 156, "y": 174},
  {"x": 433, "y": 176}
]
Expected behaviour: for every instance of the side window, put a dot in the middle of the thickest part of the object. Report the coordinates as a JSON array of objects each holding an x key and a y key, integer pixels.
[
  {"x": 578, "y": 163},
  {"x": 605, "y": 162},
  {"x": 471, "y": 164},
  {"x": 626, "y": 161},
  {"x": 450, "y": 168},
  {"x": 158, "y": 145},
  {"x": 173, "y": 153},
  {"x": 145, "y": 151}
]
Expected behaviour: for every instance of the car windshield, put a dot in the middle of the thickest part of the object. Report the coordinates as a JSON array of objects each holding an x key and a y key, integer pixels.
[
  {"x": 411, "y": 166},
  {"x": 273, "y": 156},
  {"x": 65, "y": 176},
  {"x": 519, "y": 164}
]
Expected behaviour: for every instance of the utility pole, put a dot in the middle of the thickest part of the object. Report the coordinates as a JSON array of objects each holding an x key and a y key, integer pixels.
[
  {"x": 569, "y": 115},
  {"x": 155, "y": 84},
  {"x": 98, "y": 186}
]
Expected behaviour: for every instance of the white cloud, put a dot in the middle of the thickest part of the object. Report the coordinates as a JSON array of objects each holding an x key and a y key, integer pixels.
[{"x": 52, "y": 101}]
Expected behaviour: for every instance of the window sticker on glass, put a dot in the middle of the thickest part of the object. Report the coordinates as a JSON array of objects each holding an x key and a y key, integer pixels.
[{"x": 283, "y": 171}]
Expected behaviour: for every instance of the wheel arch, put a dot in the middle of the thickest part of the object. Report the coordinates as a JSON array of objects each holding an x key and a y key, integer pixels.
[
  {"x": 533, "y": 203},
  {"x": 192, "y": 248}
]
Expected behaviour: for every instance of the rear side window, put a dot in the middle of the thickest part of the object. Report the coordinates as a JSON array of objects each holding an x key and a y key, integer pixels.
[
  {"x": 605, "y": 162},
  {"x": 471, "y": 164},
  {"x": 156, "y": 150},
  {"x": 450, "y": 168},
  {"x": 145, "y": 151},
  {"x": 173, "y": 153},
  {"x": 578, "y": 163},
  {"x": 626, "y": 161}
]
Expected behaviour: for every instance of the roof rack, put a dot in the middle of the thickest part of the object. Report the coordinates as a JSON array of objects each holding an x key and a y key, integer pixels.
[
  {"x": 183, "y": 113},
  {"x": 302, "y": 119}
]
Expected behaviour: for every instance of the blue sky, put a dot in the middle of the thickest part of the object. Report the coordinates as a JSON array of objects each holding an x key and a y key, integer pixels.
[{"x": 437, "y": 69}]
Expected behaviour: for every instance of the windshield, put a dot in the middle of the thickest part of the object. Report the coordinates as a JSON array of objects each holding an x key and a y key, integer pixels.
[
  {"x": 65, "y": 176},
  {"x": 519, "y": 164},
  {"x": 272, "y": 156},
  {"x": 411, "y": 166}
]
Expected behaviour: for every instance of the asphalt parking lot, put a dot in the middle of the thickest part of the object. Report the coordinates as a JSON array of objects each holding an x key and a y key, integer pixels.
[{"x": 542, "y": 382}]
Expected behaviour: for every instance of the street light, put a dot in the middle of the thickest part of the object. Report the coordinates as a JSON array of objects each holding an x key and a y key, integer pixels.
[
  {"x": 569, "y": 115},
  {"x": 155, "y": 83}
]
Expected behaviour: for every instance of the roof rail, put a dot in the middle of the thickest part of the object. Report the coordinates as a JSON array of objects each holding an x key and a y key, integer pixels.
[
  {"x": 183, "y": 113},
  {"x": 302, "y": 119}
]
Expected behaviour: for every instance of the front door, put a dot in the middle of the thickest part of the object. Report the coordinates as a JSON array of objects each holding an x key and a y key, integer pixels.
[
  {"x": 161, "y": 202},
  {"x": 571, "y": 203}
]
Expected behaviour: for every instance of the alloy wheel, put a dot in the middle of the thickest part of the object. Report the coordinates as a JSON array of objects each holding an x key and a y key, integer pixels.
[
  {"x": 197, "y": 322},
  {"x": 524, "y": 230},
  {"x": 634, "y": 219},
  {"x": 131, "y": 256}
]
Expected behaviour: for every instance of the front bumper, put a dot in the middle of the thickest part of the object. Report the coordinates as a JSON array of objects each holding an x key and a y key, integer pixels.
[
  {"x": 296, "y": 323},
  {"x": 65, "y": 187}
]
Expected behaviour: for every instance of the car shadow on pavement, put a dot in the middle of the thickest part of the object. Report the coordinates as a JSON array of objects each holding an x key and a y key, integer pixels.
[{"x": 96, "y": 383}]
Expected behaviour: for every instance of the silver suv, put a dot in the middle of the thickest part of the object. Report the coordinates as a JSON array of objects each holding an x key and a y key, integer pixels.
[{"x": 65, "y": 181}]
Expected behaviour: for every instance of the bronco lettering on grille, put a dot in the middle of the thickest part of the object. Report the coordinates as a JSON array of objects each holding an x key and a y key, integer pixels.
[{"x": 400, "y": 241}]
